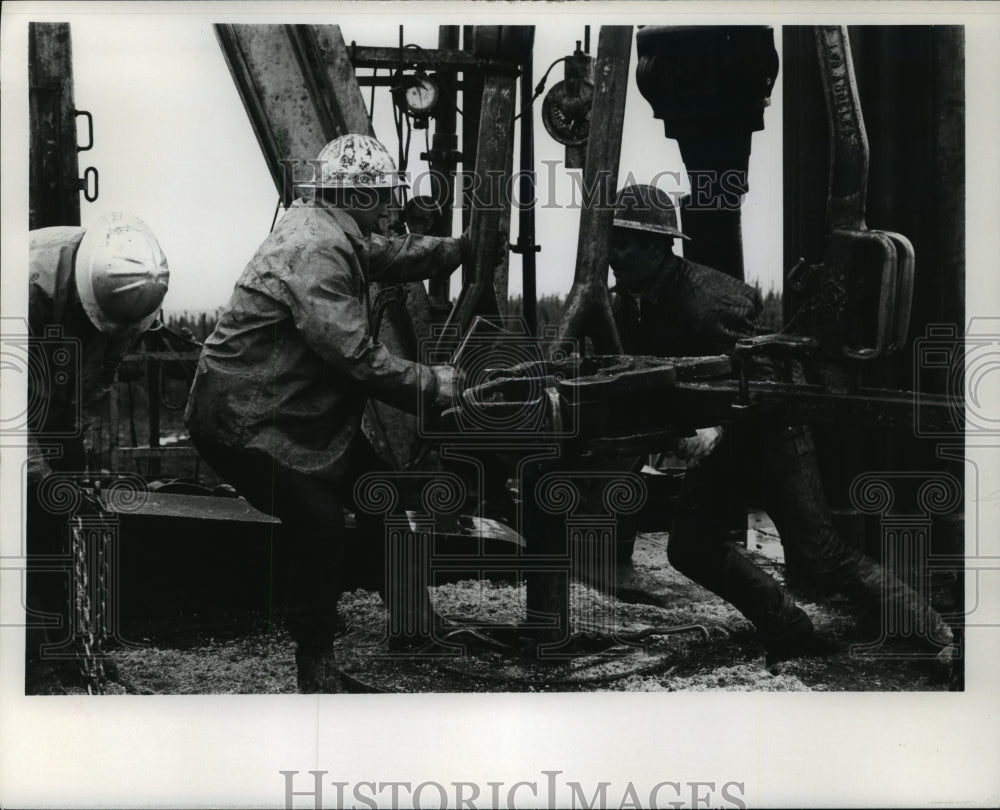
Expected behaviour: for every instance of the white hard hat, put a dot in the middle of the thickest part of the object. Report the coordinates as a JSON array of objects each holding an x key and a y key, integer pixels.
[
  {"x": 121, "y": 274},
  {"x": 356, "y": 161}
]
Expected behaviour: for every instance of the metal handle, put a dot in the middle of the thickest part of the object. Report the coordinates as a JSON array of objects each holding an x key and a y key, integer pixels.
[
  {"x": 886, "y": 317},
  {"x": 848, "y": 139},
  {"x": 904, "y": 290},
  {"x": 85, "y": 185},
  {"x": 90, "y": 130}
]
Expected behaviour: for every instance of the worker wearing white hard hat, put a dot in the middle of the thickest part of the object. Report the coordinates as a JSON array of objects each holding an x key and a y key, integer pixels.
[
  {"x": 92, "y": 292},
  {"x": 283, "y": 380}
]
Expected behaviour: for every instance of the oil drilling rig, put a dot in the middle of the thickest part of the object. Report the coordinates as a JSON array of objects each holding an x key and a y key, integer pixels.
[{"x": 860, "y": 302}]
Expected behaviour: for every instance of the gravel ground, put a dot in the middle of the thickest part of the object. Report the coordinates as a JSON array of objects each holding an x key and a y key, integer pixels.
[{"x": 248, "y": 654}]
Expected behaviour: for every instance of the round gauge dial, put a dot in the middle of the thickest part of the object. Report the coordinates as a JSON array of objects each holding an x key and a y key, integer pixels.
[
  {"x": 421, "y": 94},
  {"x": 566, "y": 111}
]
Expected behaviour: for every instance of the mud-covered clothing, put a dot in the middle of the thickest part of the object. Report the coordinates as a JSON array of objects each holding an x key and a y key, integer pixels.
[
  {"x": 311, "y": 555},
  {"x": 282, "y": 383},
  {"x": 72, "y": 367},
  {"x": 692, "y": 310},
  {"x": 292, "y": 360},
  {"x": 74, "y": 362},
  {"x": 688, "y": 310}
]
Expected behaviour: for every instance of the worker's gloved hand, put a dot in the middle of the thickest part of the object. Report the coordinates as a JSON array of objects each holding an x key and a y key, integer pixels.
[
  {"x": 694, "y": 448},
  {"x": 445, "y": 386}
]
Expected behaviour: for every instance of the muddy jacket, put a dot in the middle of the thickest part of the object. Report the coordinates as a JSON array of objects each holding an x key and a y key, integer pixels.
[
  {"x": 688, "y": 310},
  {"x": 75, "y": 362},
  {"x": 292, "y": 361},
  {"x": 693, "y": 310}
]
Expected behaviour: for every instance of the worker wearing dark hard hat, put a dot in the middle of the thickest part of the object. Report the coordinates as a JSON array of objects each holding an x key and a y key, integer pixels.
[
  {"x": 283, "y": 380},
  {"x": 92, "y": 292},
  {"x": 669, "y": 306}
]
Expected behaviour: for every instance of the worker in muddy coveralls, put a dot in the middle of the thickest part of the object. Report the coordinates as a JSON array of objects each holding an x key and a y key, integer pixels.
[
  {"x": 92, "y": 293},
  {"x": 283, "y": 380},
  {"x": 669, "y": 306}
]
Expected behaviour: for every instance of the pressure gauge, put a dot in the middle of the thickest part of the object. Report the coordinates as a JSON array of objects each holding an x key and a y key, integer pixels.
[
  {"x": 566, "y": 111},
  {"x": 420, "y": 95}
]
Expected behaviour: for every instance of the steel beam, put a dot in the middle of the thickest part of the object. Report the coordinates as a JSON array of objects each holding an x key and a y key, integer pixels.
[
  {"x": 54, "y": 170},
  {"x": 588, "y": 308},
  {"x": 526, "y": 246},
  {"x": 490, "y": 218},
  {"x": 366, "y": 57},
  {"x": 329, "y": 77},
  {"x": 265, "y": 70},
  {"x": 472, "y": 103},
  {"x": 442, "y": 160}
]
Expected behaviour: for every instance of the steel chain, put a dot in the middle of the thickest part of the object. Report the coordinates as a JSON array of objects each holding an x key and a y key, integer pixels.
[
  {"x": 101, "y": 593},
  {"x": 91, "y": 657}
]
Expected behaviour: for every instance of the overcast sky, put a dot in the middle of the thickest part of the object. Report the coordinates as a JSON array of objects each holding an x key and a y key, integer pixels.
[{"x": 173, "y": 144}]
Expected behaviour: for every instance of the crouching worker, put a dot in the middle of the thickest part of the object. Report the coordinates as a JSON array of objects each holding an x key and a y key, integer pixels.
[
  {"x": 283, "y": 380},
  {"x": 669, "y": 306},
  {"x": 97, "y": 289}
]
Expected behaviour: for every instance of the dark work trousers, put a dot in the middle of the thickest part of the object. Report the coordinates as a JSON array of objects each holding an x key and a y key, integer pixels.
[
  {"x": 48, "y": 533},
  {"x": 778, "y": 465},
  {"x": 49, "y": 568},
  {"x": 311, "y": 553}
]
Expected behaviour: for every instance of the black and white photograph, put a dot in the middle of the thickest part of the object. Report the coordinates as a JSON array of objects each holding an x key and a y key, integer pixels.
[{"x": 463, "y": 394}]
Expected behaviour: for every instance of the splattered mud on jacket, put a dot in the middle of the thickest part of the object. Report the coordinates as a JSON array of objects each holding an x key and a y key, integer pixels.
[{"x": 292, "y": 361}]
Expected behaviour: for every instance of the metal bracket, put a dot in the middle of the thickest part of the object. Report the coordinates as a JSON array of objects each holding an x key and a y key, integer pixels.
[
  {"x": 777, "y": 345},
  {"x": 90, "y": 130},
  {"x": 520, "y": 247},
  {"x": 371, "y": 57},
  {"x": 84, "y": 184},
  {"x": 448, "y": 156}
]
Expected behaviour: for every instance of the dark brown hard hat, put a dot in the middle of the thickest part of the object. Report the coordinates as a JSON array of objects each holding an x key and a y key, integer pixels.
[{"x": 647, "y": 208}]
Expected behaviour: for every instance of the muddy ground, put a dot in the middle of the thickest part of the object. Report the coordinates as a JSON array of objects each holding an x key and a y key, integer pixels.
[{"x": 250, "y": 654}]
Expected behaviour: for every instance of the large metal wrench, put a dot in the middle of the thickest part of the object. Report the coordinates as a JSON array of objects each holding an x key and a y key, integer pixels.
[
  {"x": 853, "y": 251},
  {"x": 587, "y": 312}
]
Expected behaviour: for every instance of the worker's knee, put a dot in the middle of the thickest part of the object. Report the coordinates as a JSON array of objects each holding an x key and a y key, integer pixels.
[{"x": 825, "y": 559}]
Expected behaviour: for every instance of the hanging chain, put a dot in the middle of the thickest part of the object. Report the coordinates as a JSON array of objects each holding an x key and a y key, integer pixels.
[
  {"x": 829, "y": 294},
  {"x": 89, "y": 632},
  {"x": 102, "y": 593}
]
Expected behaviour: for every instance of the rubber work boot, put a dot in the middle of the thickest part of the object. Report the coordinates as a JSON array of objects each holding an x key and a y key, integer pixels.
[
  {"x": 317, "y": 672},
  {"x": 806, "y": 645},
  {"x": 902, "y": 612}
]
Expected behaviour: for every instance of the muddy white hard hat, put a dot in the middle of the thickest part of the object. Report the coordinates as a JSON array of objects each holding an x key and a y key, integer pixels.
[
  {"x": 355, "y": 161},
  {"x": 121, "y": 274}
]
